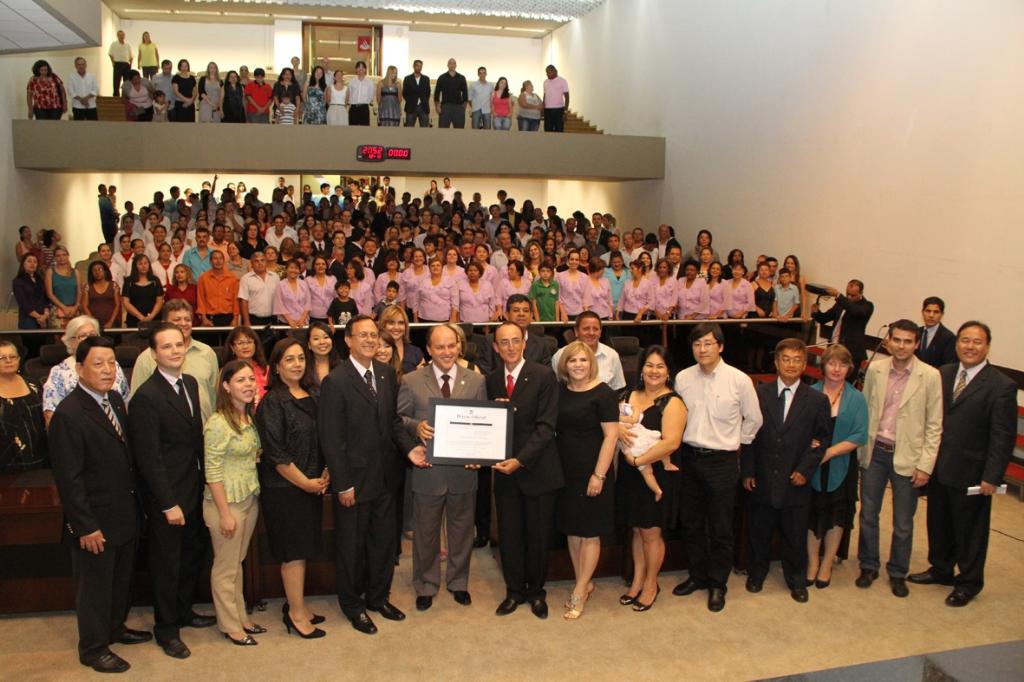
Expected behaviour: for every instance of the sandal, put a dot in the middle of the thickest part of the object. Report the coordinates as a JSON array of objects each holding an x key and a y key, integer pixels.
[{"x": 574, "y": 607}]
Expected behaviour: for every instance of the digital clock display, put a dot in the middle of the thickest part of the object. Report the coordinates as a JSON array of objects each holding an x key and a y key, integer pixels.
[{"x": 376, "y": 152}]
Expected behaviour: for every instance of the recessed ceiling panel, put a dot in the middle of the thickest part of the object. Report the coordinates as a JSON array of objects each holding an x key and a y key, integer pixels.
[{"x": 25, "y": 25}]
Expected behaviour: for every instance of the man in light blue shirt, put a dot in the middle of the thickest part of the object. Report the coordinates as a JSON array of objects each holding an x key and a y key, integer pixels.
[
  {"x": 480, "y": 92},
  {"x": 787, "y": 296},
  {"x": 197, "y": 259}
]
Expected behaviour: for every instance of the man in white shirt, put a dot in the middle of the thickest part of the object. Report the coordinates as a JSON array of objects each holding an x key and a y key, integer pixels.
[
  {"x": 82, "y": 91},
  {"x": 480, "y": 92},
  {"x": 256, "y": 292},
  {"x": 361, "y": 91},
  {"x": 723, "y": 412},
  {"x": 280, "y": 232},
  {"x": 609, "y": 366},
  {"x": 120, "y": 54},
  {"x": 447, "y": 191}
]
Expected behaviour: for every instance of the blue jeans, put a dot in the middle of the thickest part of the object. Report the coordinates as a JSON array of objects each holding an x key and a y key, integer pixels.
[
  {"x": 502, "y": 123},
  {"x": 530, "y": 125},
  {"x": 481, "y": 121},
  {"x": 904, "y": 504}
]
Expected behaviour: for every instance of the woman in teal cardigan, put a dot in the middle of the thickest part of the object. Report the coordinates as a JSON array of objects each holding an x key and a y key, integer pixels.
[{"x": 834, "y": 483}]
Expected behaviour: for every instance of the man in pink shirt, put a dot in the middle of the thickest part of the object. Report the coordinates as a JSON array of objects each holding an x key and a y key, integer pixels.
[{"x": 556, "y": 101}]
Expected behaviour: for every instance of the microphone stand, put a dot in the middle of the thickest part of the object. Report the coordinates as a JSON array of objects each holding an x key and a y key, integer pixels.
[{"x": 862, "y": 372}]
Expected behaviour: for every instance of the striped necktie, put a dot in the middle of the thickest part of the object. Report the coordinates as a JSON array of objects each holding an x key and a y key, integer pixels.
[
  {"x": 109, "y": 411},
  {"x": 961, "y": 384}
]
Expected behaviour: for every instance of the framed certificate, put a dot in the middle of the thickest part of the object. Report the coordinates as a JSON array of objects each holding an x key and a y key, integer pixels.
[{"x": 470, "y": 432}]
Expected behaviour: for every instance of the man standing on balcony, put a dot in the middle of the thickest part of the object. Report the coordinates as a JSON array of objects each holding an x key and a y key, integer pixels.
[
  {"x": 120, "y": 54},
  {"x": 450, "y": 97},
  {"x": 82, "y": 91},
  {"x": 361, "y": 91},
  {"x": 556, "y": 101},
  {"x": 416, "y": 93},
  {"x": 480, "y": 101}
]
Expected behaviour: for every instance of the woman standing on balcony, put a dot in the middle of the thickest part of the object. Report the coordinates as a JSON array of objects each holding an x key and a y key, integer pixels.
[
  {"x": 184, "y": 86},
  {"x": 149, "y": 56},
  {"x": 316, "y": 98},
  {"x": 389, "y": 93},
  {"x": 211, "y": 95},
  {"x": 234, "y": 104},
  {"x": 46, "y": 98},
  {"x": 337, "y": 114}
]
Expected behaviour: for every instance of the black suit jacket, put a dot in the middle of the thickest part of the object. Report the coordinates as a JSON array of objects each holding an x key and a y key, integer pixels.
[
  {"x": 780, "y": 448},
  {"x": 941, "y": 351},
  {"x": 535, "y": 402},
  {"x": 416, "y": 96},
  {"x": 167, "y": 443},
  {"x": 362, "y": 436},
  {"x": 93, "y": 468},
  {"x": 979, "y": 429},
  {"x": 538, "y": 349},
  {"x": 854, "y": 323}
]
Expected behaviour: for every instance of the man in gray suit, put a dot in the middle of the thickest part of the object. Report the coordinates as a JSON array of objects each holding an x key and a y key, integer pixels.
[{"x": 440, "y": 491}]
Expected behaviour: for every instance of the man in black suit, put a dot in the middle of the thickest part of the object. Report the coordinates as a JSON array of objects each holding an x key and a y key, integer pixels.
[
  {"x": 518, "y": 310},
  {"x": 416, "y": 93},
  {"x": 526, "y": 483},
  {"x": 165, "y": 429},
  {"x": 938, "y": 344},
  {"x": 776, "y": 467},
  {"x": 92, "y": 466},
  {"x": 979, "y": 427},
  {"x": 366, "y": 447},
  {"x": 849, "y": 318}
]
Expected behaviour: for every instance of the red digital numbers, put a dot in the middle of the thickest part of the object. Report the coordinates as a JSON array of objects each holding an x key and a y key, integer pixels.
[
  {"x": 403, "y": 153},
  {"x": 376, "y": 152}
]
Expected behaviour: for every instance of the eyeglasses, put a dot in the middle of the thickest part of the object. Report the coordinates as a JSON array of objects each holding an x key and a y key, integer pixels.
[
  {"x": 83, "y": 337},
  {"x": 789, "y": 360},
  {"x": 9, "y": 358},
  {"x": 367, "y": 336},
  {"x": 510, "y": 343},
  {"x": 242, "y": 342},
  {"x": 705, "y": 345}
]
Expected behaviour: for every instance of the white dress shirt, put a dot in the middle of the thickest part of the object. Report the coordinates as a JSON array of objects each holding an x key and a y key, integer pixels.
[
  {"x": 723, "y": 410},
  {"x": 173, "y": 381},
  {"x": 971, "y": 373},
  {"x": 259, "y": 292},
  {"x": 780, "y": 385},
  {"x": 82, "y": 86},
  {"x": 361, "y": 91}
]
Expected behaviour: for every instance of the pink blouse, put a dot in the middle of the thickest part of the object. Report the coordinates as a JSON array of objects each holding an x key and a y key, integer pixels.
[
  {"x": 636, "y": 298},
  {"x": 693, "y": 299},
  {"x": 380, "y": 286},
  {"x": 320, "y": 297},
  {"x": 411, "y": 282},
  {"x": 739, "y": 300},
  {"x": 476, "y": 306},
  {"x": 507, "y": 289},
  {"x": 598, "y": 299},
  {"x": 454, "y": 276},
  {"x": 294, "y": 304},
  {"x": 716, "y": 299},
  {"x": 570, "y": 293},
  {"x": 362, "y": 294},
  {"x": 665, "y": 295},
  {"x": 436, "y": 301}
]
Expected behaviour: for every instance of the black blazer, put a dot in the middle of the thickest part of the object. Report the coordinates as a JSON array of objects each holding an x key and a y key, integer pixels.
[
  {"x": 779, "y": 448},
  {"x": 535, "y": 401},
  {"x": 941, "y": 351},
  {"x": 362, "y": 437},
  {"x": 93, "y": 468},
  {"x": 538, "y": 350},
  {"x": 978, "y": 430},
  {"x": 854, "y": 323},
  {"x": 167, "y": 443},
  {"x": 416, "y": 96},
  {"x": 287, "y": 429}
]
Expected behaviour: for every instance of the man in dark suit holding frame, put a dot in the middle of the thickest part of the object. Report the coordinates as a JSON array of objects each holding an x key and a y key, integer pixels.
[{"x": 92, "y": 466}]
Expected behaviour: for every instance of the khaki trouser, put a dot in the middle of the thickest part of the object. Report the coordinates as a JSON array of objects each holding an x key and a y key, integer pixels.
[{"x": 228, "y": 553}]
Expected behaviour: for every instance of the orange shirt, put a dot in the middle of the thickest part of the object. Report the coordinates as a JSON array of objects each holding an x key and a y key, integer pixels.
[{"x": 218, "y": 293}]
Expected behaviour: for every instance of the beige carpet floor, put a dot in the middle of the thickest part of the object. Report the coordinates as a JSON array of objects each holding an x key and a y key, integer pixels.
[{"x": 756, "y": 636}]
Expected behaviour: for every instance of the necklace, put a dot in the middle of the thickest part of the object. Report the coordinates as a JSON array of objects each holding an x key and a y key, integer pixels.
[{"x": 834, "y": 400}]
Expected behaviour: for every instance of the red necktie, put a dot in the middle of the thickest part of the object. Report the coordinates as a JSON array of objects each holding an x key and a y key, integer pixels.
[{"x": 510, "y": 385}]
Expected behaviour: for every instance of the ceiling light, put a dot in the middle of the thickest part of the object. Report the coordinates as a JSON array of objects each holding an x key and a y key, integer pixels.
[
  {"x": 336, "y": 42},
  {"x": 292, "y": 16},
  {"x": 402, "y": 22},
  {"x": 349, "y": 19},
  {"x": 434, "y": 23},
  {"x": 254, "y": 15},
  {"x": 148, "y": 11},
  {"x": 197, "y": 11},
  {"x": 482, "y": 26},
  {"x": 528, "y": 30}
]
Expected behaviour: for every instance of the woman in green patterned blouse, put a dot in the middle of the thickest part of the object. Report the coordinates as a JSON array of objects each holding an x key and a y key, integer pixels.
[{"x": 232, "y": 486}]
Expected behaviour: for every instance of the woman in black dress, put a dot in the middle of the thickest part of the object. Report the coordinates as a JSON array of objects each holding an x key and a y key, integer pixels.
[
  {"x": 22, "y": 430},
  {"x": 587, "y": 429},
  {"x": 184, "y": 85},
  {"x": 292, "y": 478},
  {"x": 143, "y": 296},
  {"x": 659, "y": 409}
]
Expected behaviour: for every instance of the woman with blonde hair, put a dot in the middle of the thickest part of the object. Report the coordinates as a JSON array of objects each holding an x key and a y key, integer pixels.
[
  {"x": 211, "y": 95},
  {"x": 389, "y": 94}
]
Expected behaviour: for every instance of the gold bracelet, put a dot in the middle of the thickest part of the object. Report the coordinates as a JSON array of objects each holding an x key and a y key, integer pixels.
[{"x": 598, "y": 476}]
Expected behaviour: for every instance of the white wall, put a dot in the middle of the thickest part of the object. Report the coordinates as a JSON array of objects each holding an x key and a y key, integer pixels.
[
  {"x": 517, "y": 59},
  {"x": 877, "y": 140},
  {"x": 229, "y": 45},
  {"x": 287, "y": 41}
]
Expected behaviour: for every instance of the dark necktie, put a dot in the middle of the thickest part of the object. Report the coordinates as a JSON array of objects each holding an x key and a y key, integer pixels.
[
  {"x": 182, "y": 396},
  {"x": 109, "y": 411},
  {"x": 961, "y": 384},
  {"x": 510, "y": 385},
  {"x": 782, "y": 405},
  {"x": 446, "y": 388},
  {"x": 369, "y": 382}
]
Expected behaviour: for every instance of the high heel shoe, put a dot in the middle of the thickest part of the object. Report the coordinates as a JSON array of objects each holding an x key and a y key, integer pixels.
[
  {"x": 639, "y": 606},
  {"x": 289, "y": 626},
  {"x": 256, "y": 629},
  {"x": 574, "y": 607},
  {"x": 248, "y": 641},
  {"x": 822, "y": 584},
  {"x": 315, "y": 620},
  {"x": 627, "y": 600},
  {"x": 590, "y": 590}
]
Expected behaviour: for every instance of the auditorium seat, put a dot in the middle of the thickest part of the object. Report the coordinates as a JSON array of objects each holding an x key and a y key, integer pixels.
[
  {"x": 551, "y": 342},
  {"x": 628, "y": 348},
  {"x": 569, "y": 335},
  {"x": 50, "y": 355},
  {"x": 134, "y": 339}
]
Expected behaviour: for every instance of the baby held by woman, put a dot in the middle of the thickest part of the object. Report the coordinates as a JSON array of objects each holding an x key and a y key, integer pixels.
[{"x": 643, "y": 440}]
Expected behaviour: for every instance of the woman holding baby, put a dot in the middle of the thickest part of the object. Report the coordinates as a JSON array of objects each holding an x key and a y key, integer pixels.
[
  {"x": 651, "y": 428},
  {"x": 587, "y": 429}
]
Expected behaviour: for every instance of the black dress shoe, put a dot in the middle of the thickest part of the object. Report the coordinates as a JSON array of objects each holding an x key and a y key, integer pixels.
[
  {"x": 461, "y": 597},
  {"x": 129, "y": 636},
  {"x": 899, "y": 587},
  {"x": 822, "y": 584},
  {"x": 539, "y": 607},
  {"x": 107, "y": 662},
  {"x": 689, "y": 586},
  {"x": 175, "y": 648},
  {"x": 716, "y": 599},
  {"x": 387, "y": 610},
  {"x": 198, "y": 621},
  {"x": 363, "y": 623},
  {"x": 928, "y": 578},
  {"x": 424, "y": 602},
  {"x": 957, "y": 599},
  {"x": 754, "y": 586},
  {"x": 799, "y": 594},
  {"x": 480, "y": 541},
  {"x": 506, "y": 607},
  {"x": 866, "y": 577}
]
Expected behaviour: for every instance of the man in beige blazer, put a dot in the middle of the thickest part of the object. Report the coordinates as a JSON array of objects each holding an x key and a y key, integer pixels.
[
  {"x": 441, "y": 491},
  {"x": 904, "y": 397}
]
